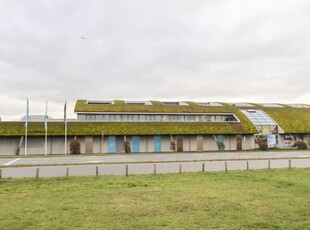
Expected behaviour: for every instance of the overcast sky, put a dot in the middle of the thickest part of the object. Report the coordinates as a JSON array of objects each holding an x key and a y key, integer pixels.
[{"x": 199, "y": 50}]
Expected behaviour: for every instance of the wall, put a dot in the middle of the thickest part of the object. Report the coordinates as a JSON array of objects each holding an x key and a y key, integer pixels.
[{"x": 9, "y": 145}]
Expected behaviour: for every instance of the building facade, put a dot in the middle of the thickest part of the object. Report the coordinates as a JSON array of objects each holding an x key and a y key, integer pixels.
[{"x": 118, "y": 126}]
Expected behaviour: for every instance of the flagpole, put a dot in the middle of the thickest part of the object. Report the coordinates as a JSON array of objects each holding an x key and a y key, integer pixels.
[
  {"x": 26, "y": 126},
  {"x": 26, "y": 142},
  {"x": 45, "y": 125},
  {"x": 66, "y": 127}
]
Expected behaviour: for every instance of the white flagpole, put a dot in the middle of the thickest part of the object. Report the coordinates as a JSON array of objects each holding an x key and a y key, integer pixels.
[
  {"x": 65, "y": 120},
  {"x": 26, "y": 126},
  {"x": 45, "y": 126},
  {"x": 26, "y": 142}
]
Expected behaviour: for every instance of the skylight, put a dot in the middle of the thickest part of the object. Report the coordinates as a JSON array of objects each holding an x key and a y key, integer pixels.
[
  {"x": 138, "y": 103},
  {"x": 258, "y": 117},
  {"x": 174, "y": 103},
  {"x": 242, "y": 104},
  {"x": 99, "y": 102},
  {"x": 208, "y": 104},
  {"x": 299, "y": 105},
  {"x": 272, "y": 105}
]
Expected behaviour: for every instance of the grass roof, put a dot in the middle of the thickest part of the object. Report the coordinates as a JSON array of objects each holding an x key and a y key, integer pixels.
[
  {"x": 291, "y": 120},
  {"x": 156, "y": 107},
  {"x": 120, "y": 106},
  {"x": 122, "y": 128}
]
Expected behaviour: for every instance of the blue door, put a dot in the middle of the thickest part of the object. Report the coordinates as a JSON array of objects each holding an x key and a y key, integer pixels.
[
  {"x": 157, "y": 144},
  {"x": 135, "y": 144},
  {"x": 112, "y": 144}
]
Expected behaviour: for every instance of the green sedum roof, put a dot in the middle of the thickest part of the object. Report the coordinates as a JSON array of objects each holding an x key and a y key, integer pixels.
[
  {"x": 291, "y": 120},
  {"x": 157, "y": 107},
  {"x": 120, "y": 128},
  {"x": 119, "y": 106}
]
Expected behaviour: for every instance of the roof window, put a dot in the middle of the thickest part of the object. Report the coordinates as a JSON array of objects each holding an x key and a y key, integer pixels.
[
  {"x": 208, "y": 104},
  {"x": 175, "y": 103},
  {"x": 99, "y": 102},
  {"x": 138, "y": 103}
]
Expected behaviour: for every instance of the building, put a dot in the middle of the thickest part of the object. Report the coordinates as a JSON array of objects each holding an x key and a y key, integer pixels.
[{"x": 104, "y": 126}]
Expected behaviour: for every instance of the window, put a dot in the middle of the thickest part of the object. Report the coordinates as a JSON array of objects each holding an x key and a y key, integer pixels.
[
  {"x": 208, "y": 104},
  {"x": 168, "y": 117},
  {"x": 111, "y": 117},
  {"x": 99, "y": 102},
  {"x": 171, "y": 103},
  {"x": 117, "y": 117},
  {"x": 106, "y": 117},
  {"x": 99, "y": 117},
  {"x": 142, "y": 118}
]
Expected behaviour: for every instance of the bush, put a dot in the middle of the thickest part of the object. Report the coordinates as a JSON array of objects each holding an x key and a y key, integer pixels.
[
  {"x": 262, "y": 143},
  {"x": 220, "y": 145},
  {"x": 75, "y": 147},
  {"x": 173, "y": 146},
  {"x": 127, "y": 147},
  {"x": 301, "y": 145}
]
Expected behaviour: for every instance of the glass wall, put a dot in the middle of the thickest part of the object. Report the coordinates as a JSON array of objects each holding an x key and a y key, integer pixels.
[{"x": 157, "y": 117}]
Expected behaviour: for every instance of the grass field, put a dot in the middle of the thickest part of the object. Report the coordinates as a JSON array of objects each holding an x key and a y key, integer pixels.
[{"x": 267, "y": 199}]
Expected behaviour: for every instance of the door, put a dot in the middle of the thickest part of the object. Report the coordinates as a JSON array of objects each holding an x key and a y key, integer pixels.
[
  {"x": 89, "y": 144},
  {"x": 135, "y": 144},
  {"x": 180, "y": 144},
  {"x": 157, "y": 144},
  {"x": 239, "y": 142},
  {"x": 112, "y": 144},
  {"x": 199, "y": 143}
]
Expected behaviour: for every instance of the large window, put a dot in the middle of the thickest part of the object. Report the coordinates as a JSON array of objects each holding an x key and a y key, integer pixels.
[{"x": 159, "y": 117}]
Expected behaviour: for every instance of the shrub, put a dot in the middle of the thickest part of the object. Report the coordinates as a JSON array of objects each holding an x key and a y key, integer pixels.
[
  {"x": 173, "y": 146},
  {"x": 17, "y": 151},
  {"x": 220, "y": 145},
  {"x": 301, "y": 145},
  {"x": 75, "y": 147},
  {"x": 127, "y": 147},
  {"x": 262, "y": 143}
]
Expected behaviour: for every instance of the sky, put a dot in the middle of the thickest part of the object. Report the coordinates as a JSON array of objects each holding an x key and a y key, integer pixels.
[{"x": 172, "y": 50}]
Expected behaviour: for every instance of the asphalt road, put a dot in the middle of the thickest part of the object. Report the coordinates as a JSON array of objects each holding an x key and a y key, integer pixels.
[
  {"x": 149, "y": 163},
  {"x": 147, "y": 158}
]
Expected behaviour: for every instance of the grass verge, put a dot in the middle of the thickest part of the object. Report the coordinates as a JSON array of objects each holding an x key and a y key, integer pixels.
[{"x": 273, "y": 199}]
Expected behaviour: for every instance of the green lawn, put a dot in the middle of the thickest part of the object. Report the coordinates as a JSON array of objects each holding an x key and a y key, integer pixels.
[{"x": 267, "y": 199}]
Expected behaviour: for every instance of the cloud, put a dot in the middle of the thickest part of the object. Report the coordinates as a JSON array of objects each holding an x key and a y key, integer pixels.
[{"x": 207, "y": 50}]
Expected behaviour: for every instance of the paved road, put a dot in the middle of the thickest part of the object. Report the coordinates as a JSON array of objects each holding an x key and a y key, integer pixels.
[
  {"x": 132, "y": 158},
  {"x": 149, "y": 163},
  {"x": 150, "y": 168}
]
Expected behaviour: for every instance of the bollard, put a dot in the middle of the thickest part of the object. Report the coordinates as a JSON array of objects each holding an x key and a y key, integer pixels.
[
  {"x": 290, "y": 163},
  {"x": 126, "y": 170},
  {"x": 97, "y": 172},
  {"x": 155, "y": 169},
  {"x": 269, "y": 164},
  {"x": 225, "y": 166},
  {"x": 180, "y": 168},
  {"x": 203, "y": 167},
  {"x": 67, "y": 171},
  {"x": 37, "y": 172},
  {"x": 247, "y": 165}
]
